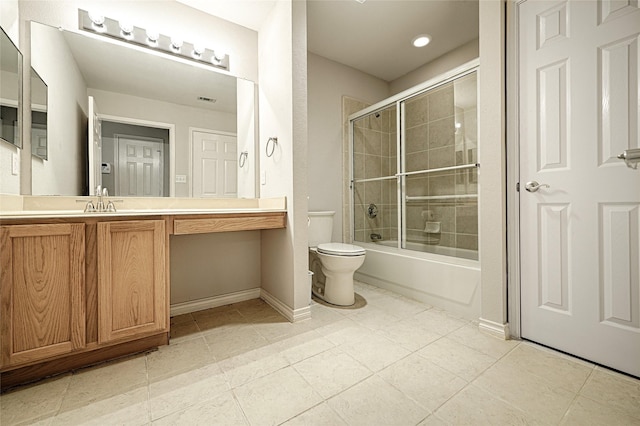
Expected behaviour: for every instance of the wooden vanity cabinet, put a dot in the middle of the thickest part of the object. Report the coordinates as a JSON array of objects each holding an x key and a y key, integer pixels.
[
  {"x": 132, "y": 280},
  {"x": 42, "y": 291}
]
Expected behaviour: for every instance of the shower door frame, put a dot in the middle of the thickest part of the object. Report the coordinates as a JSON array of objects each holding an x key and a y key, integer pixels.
[{"x": 398, "y": 100}]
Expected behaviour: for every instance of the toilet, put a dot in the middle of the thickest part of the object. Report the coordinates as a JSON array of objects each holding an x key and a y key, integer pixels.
[{"x": 332, "y": 264}]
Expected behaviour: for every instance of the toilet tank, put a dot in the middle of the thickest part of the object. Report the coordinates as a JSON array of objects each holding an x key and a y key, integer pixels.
[{"x": 320, "y": 227}]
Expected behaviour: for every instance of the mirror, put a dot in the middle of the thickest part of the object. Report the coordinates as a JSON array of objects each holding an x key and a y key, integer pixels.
[
  {"x": 155, "y": 125},
  {"x": 10, "y": 91},
  {"x": 38, "y": 116}
]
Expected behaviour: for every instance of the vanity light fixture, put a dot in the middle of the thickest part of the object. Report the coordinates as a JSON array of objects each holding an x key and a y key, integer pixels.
[
  {"x": 421, "y": 40},
  {"x": 150, "y": 38}
]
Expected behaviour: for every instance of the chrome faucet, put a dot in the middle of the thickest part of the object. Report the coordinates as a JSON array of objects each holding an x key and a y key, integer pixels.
[
  {"x": 100, "y": 207},
  {"x": 375, "y": 237}
]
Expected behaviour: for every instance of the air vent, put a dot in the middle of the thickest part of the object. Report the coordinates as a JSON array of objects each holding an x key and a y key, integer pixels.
[{"x": 205, "y": 99}]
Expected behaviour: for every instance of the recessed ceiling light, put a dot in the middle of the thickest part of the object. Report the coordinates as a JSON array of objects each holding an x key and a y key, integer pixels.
[
  {"x": 361, "y": 1},
  {"x": 421, "y": 40}
]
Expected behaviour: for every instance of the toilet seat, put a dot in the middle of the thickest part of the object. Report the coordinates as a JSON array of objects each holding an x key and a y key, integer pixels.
[{"x": 341, "y": 249}]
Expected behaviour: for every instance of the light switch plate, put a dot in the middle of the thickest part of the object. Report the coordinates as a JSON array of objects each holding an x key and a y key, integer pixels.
[{"x": 181, "y": 179}]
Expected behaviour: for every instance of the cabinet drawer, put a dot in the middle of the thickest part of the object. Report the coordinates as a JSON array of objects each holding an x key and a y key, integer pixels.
[{"x": 227, "y": 224}]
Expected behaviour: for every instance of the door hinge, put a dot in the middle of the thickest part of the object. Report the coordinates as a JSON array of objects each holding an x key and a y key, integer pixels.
[{"x": 518, "y": 186}]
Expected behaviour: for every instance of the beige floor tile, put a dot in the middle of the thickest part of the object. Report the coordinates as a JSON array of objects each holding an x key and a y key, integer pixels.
[
  {"x": 471, "y": 336},
  {"x": 302, "y": 346},
  {"x": 331, "y": 372},
  {"x": 557, "y": 369},
  {"x": 320, "y": 415},
  {"x": 532, "y": 394},
  {"x": 178, "y": 358},
  {"x": 587, "y": 412},
  {"x": 252, "y": 365},
  {"x": 373, "y": 318},
  {"x": 184, "y": 331},
  {"x": 276, "y": 398},
  {"x": 432, "y": 420},
  {"x": 219, "y": 320},
  {"x": 181, "y": 319},
  {"x": 234, "y": 342},
  {"x": 255, "y": 309},
  {"x": 375, "y": 402},
  {"x": 457, "y": 358},
  {"x": 438, "y": 321},
  {"x": 473, "y": 406},
  {"x": 374, "y": 351},
  {"x": 126, "y": 408},
  {"x": 407, "y": 335},
  {"x": 104, "y": 381},
  {"x": 399, "y": 306},
  {"x": 322, "y": 315},
  {"x": 279, "y": 328},
  {"x": 184, "y": 390},
  {"x": 423, "y": 381},
  {"x": 41, "y": 400},
  {"x": 343, "y": 331},
  {"x": 615, "y": 390},
  {"x": 222, "y": 409}
]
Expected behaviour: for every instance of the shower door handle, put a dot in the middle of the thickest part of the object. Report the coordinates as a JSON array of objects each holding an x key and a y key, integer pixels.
[{"x": 533, "y": 186}]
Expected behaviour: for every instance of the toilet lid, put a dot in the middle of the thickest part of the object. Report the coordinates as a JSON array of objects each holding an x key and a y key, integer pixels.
[{"x": 341, "y": 249}]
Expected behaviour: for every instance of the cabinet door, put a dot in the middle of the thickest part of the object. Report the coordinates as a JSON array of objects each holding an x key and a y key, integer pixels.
[
  {"x": 42, "y": 291},
  {"x": 132, "y": 277}
]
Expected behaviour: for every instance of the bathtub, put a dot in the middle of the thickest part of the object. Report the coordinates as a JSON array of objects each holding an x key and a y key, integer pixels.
[{"x": 446, "y": 282}]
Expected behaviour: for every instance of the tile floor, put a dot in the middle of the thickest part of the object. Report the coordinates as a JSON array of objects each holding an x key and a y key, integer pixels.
[{"x": 394, "y": 362}]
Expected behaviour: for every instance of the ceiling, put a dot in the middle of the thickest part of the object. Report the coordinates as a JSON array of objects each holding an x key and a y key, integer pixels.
[{"x": 373, "y": 37}]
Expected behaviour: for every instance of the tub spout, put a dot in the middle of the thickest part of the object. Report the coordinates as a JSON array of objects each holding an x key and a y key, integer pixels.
[{"x": 375, "y": 237}]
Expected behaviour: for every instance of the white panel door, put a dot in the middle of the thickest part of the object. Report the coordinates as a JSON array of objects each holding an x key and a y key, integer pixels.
[
  {"x": 94, "y": 148},
  {"x": 140, "y": 167},
  {"x": 214, "y": 165},
  {"x": 580, "y": 237}
]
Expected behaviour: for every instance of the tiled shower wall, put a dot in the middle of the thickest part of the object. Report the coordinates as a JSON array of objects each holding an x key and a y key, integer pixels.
[
  {"x": 375, "y": 156},
  {"x": 440, "y": 132}
]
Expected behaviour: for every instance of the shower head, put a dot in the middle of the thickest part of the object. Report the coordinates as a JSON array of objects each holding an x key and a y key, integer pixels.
[{"x": 377, "y": 114}]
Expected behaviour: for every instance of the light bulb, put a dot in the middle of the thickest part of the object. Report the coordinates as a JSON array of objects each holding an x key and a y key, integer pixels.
[
  {"x": 219, "y": 55},
  {"x": 198, "y": 50},
  {"x": 127, "y": 29},
  {"x": 176, "y": 43},
  {"x": 421, "y": 40},
  {"x": 152, "y": 37},
  {"x": 96, "y": 18}
]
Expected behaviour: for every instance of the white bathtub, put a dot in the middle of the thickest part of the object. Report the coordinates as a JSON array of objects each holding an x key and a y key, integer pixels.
[{"x": 450, "y": 283}]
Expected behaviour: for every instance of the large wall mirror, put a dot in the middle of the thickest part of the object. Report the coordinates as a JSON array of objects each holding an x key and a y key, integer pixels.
[
  {"x": 38, "y": 116},
  {"x": 139, "y": 122},
  {"x": 10, "y": 91}
]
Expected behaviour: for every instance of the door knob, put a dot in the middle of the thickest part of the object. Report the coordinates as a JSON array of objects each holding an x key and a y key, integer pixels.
[{"x": 533, "y": 186}]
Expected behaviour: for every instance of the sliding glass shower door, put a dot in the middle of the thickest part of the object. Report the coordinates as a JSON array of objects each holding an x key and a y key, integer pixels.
[{"x": 424, "y": 199}]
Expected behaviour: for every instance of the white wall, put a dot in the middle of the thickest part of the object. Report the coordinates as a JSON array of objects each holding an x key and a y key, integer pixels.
[
  {"x": 328, "y": 82},
  {"x": 64, "y": 170},
  {"x": 182, "y": 117},
  {"x": 209, "y": 265},
  {"x": 9, "y": 20},
  {"x": 283, "y": 114},
  {"x": 492, "y": 157},
  {"x": 246, "y": 112},
  {"x": 440, "y": 65}
]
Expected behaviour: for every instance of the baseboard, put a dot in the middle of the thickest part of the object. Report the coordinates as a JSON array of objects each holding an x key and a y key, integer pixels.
[
  {"x": 495, "y": 329},
  {"x": 214, "y": 302},
  {"x": 290, "y": 314}
]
